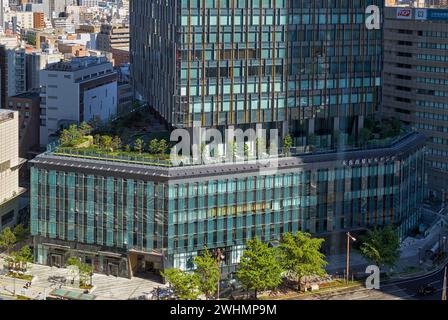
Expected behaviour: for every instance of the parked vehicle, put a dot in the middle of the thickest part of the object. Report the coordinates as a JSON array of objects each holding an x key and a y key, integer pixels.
[{"x": 427, "y": 290}]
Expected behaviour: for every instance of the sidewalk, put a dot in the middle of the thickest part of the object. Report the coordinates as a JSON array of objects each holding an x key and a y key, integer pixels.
[
  {"x": 412, "y": 256},
  {"x": 105, "y": 287}
]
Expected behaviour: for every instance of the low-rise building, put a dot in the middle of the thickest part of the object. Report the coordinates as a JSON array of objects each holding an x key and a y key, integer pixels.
[
  {"x": 124, "y": 217},
  {"x": 74, "y": 91},
  {"x": 28, "y": 107}
]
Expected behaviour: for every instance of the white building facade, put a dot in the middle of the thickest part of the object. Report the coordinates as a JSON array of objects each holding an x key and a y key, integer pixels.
[{"x": 80, "y": 90}]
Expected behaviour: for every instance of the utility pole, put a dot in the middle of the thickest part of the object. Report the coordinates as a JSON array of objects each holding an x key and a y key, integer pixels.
[
  {"x": 347, "y": 267},
  {"x": 219, "y": 258},
  {"x": 444, "y": 286}
]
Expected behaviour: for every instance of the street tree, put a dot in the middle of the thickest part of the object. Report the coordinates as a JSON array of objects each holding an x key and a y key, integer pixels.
[
  {"x": 185, "y": 285},
  {"x": 300, "y": 256},
  {"x": 21, "y": 232},
  {"x": 84, "y": 270},
  {"x": 7, "y": 239},
  {"x": 381, "y": 246},
  {"x": 208, "y": 273},
  {"x": 259, "y": 268}
]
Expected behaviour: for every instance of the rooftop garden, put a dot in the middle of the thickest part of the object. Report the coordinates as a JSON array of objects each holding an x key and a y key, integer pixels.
[{"x": 81, "y": 141}]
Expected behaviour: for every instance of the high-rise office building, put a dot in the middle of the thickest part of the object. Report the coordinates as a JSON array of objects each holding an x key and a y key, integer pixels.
[
  {"x": 305, "y": 67},
  {"x": 416, "y": 81}
]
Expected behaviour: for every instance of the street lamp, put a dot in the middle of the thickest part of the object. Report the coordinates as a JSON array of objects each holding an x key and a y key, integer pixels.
[
  {"x": 347, "y": 270},
  {"x": 219, "y": 258}
]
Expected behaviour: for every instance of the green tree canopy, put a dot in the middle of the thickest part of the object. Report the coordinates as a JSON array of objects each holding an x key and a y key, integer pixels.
[
  {"x": 381, "y": 246},
  {"x": 138, "y": 145},
  {"x": 162, "y": 147},
  {"x": 21, "y": 232},
  {"x": 85, "y": 270},
  {"x": 208, "y": 273},
  {"x": 85, "y": 128},
  {"x": 153, "y": 146},
  {"x": 69, "y": 137},
  {"x": 259, "y": 268},
  {"x": 7, "y": 239},
  {"x": 300, "y": 256},
  {"x": 185, "y": 285}
]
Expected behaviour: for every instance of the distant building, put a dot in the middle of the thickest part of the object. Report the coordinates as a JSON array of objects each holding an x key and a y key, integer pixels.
[
  {"x": 12, "y": 70},
  {"x": 113, "y": 37},
  {"x": 27, "y": 104},
  {"x": 74, "y": 91},
  {"x": 10, "y": 164},
  {"x": 38, "y": 20},
  {"x": 72, "y": 50},
  {"x": 37, "y": 61},
  {"x": 415, "y": 78}
]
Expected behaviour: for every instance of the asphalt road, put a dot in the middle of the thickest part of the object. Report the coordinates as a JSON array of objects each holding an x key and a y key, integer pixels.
[{"x": 399, "y": 290}]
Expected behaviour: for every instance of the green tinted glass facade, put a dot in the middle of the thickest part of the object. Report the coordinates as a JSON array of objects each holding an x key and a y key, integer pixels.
[
  {"x": 304, "y": 66},
  {"x": 177, "y": 217}
]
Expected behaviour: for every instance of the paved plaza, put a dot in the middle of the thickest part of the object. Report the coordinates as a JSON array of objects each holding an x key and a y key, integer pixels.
[{"x": 106, "y": 287}]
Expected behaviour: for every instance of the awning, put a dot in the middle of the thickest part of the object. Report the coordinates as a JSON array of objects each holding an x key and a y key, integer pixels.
[{"x": 71, "y": 295}]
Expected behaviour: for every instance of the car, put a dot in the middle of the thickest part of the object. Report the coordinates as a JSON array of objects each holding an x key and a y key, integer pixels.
[{"x": 427, "y": 290}]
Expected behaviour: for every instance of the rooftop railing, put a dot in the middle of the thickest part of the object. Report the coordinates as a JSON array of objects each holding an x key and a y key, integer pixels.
[{"x": 152, "y": 160}]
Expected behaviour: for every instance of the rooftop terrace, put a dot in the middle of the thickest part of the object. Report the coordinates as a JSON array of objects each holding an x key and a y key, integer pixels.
[{"x": 145, "y": 169}]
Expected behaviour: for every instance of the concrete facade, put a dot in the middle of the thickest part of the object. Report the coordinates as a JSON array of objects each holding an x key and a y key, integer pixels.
[
  {"x": 415, "y": 81},
  {"x": 9, "y": 167},
  {"x": 68, "y": 94}
]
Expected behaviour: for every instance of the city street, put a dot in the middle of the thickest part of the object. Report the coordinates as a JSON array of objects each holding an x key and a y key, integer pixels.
[{"x": 399, "y": 290}]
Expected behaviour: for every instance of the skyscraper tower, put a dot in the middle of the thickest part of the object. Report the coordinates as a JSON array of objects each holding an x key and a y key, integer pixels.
[{"x": 304, "y": 67}]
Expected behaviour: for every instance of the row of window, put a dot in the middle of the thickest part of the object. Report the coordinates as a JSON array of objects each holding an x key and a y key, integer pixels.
[
  {"x": 432, "y": 57},
  {"x": 426, "y": 126},
  {"x": 432, "y": 81},
  {"x": 432, "y": 116},
  {"x": 427, "y": 45},
  {"x": 431, "y": 104},
  {"x": 432, "y": 69}
]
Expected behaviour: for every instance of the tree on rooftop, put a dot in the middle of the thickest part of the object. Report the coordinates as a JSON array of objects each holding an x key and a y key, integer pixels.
[
  {"x": 138, "y": 145},
  {"x": 70, "y": 136},
  {"x": 287, "y": 144},
  {"x": 116, "y": 143},
  {"x": 85, "y": 128},
  {"x": 106, "y": 142},
  {"x": 163, "y": 146},
  {"x": 154, "y": 146}
]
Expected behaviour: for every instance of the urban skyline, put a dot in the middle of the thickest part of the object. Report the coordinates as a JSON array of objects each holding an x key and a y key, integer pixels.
[{"x": 213, "y": 149}]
